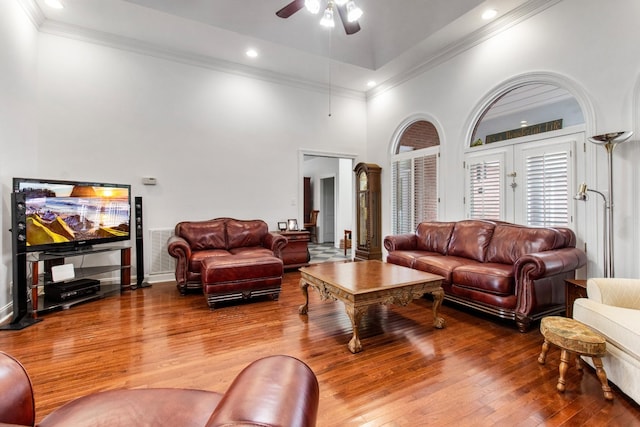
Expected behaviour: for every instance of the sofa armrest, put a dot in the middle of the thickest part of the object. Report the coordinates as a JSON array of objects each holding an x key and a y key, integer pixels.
[
  {"x": 273, "y": 391},
  {"x": 549, "y": 263},
  {"x": 540, "y": 278},
  {"x": 180, "y": 249},
  {"x": 276, "y": 242},
  {"x": 624, "y": 293},
  {"x": 401, "y": 242}
]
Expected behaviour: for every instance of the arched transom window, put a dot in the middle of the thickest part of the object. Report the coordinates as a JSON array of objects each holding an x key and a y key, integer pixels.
[{"x": 519, "y": 162}]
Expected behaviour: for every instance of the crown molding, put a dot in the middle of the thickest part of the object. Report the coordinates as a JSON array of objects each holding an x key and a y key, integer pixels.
[
  {"x": 514, "y": 17},
  {"x": 144, "y": 48},
  {"x": 33, "y": 11}
]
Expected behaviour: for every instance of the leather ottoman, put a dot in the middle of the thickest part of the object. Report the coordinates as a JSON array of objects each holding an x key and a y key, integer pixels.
[{"x": 227, "y": 278}]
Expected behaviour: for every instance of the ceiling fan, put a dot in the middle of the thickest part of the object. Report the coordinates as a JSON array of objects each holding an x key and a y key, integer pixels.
[{"x": 347, "y": 9}]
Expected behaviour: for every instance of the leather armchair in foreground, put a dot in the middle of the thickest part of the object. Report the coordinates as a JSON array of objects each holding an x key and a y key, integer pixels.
[{"x": 273, "y": 391}]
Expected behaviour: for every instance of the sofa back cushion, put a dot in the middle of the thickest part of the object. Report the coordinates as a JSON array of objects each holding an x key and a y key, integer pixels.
[
  {"x": 470, "y": 239},
  {"x": 510, "y": 242},
  {"x": 242, "y": 233},
  {"x": 434, "y": 236},
  {"x": 203, "y": 235}
]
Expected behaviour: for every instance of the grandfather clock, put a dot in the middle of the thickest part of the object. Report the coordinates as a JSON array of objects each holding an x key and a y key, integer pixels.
[{"x": 368, "y": 212}]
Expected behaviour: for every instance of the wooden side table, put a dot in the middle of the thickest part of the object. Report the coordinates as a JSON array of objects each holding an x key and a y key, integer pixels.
[
  {"x": 574, "y": 289},
  {"x": 296, "y": 253},
  {"x": 574, "y": 337}
]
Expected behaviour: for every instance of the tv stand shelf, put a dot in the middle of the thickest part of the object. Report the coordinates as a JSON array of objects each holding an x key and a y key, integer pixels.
[{"x": 42, "y": 305}]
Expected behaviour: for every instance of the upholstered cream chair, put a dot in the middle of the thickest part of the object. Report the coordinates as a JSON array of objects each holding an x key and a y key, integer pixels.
[{"x": 613, "y": 309}]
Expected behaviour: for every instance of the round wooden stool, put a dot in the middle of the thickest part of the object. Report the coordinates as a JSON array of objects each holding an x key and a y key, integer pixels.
[{"x": 577, "y": 338}]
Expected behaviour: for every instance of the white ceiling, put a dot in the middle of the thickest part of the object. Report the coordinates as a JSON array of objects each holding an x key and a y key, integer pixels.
[{"x": 397, "y": 36}]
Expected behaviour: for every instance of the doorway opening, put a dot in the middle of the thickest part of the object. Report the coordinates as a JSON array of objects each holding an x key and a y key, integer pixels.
[{"x": 326, "y": 184}]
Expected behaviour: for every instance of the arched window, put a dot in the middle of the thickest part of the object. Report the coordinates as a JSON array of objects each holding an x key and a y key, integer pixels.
[
  {"x": 520, "y": 162},
  {"x": 414, "y": 169}
]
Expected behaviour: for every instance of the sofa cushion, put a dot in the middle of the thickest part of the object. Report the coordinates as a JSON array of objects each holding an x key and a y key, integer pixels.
[
  {"x": 487, "y": 277},
  {"x": 434, "y": 236},
  {"x": 251, "y": 251},
  {"x": 408, "y": 258},
  {"x": 510, "y": 242},
  {"x": 203, "y": 235},
  {"x": 470, "y": 239},
  {"x": 195, "y": 263},
  {"x": 245, "y": 233},
  {"x": 440, "y": 265}
]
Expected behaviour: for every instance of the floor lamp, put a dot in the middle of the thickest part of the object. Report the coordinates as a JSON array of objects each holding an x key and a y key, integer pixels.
[{"x": 609, "y": 141}]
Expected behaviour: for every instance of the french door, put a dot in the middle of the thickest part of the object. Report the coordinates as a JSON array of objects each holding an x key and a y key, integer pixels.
[{"x": 529, "y": 183}]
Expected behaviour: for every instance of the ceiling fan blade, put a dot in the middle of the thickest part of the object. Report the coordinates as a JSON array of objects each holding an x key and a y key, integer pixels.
[
  {"x": 290, "y": 9},
  {"x": 349, "y": 27}
]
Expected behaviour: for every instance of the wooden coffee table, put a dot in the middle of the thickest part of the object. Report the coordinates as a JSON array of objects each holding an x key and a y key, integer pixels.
[{"x": 362, "y": 284}]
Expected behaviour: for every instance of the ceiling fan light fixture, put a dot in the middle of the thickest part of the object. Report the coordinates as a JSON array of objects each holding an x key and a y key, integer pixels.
[
  {"x": 327, "y": 17},
  {"x": 489, "y": 14},
  {"x": 353, "y": 11},
  {"x": 312, "y": 6}
]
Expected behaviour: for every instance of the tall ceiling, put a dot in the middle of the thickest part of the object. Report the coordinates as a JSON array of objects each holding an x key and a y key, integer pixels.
[{"x": 397, "y": 37}]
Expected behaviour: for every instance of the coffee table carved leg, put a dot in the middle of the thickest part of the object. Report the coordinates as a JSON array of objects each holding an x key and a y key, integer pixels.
[
  {"x": 438, "y": 296},
  {"x": 304, "y": 308},
  {"x": 564, "y": 365},
  {"x": 355, "y": 314},
  {"x": 543, "y": 353},
  {"x": 602, "y": 376}
]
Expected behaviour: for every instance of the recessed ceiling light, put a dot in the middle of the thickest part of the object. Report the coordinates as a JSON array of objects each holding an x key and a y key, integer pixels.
[
  {"x": 252, "y": 53},
  {"x": 54, "y": 4},
  {"x": 371, "y": 83},
  {"x": 523, "y": 124},
  {"x": 489, "y": 14}
]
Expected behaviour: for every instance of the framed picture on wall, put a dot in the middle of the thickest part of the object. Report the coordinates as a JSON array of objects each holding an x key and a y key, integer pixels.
[{"x": 292, "y": 225}]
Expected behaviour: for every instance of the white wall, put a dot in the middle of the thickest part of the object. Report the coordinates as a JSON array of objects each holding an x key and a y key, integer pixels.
[
  {"x": 590, "y": 43},
  {"x": 219, "y": 144},
  {"x": 18, "y": 50}
]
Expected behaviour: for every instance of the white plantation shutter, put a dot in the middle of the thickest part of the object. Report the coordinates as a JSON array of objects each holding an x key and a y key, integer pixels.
[
  {"x": 401, "y": 198},
  {"x": 425, "y": 193},
  {"x": 485, "y": 189},
  {"x": 547, "y": 189},
  {"x": 415, "y": 192},
  {"x": 527, "y": 183}
]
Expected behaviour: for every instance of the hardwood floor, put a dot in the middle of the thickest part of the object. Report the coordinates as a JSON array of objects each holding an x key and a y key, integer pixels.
[{"x": 477, "y": 371}]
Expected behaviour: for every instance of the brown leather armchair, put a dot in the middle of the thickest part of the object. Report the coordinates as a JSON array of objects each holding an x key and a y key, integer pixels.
[
  {"x": 195, "y": 241},
  {"x": 273, "y": 391}
]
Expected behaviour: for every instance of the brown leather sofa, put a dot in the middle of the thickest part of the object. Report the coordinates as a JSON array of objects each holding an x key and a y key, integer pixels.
[
  {"x": 227, "y": 258},
  {"x": 273, "y": 391},
  {"x": 508, "y": 270}
]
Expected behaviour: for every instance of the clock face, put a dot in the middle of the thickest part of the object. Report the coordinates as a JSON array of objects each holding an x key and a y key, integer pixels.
[{"x": 362, "y": 181}]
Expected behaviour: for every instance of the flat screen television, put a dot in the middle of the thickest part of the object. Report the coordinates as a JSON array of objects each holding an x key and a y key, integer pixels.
[{"x": 73, "y": 215}]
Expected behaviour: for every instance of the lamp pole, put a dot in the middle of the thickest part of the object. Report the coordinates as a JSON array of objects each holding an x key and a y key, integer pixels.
[{"x": 610, "y": 141}]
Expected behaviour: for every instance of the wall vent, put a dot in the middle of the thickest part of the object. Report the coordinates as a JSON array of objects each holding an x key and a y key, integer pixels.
[{"x": 161, "y": 261}]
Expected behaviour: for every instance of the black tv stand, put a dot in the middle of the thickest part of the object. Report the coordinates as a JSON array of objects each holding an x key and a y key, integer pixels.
[
  {"x": 40, "y": 304},
  {"x": 76, "y": 251}
]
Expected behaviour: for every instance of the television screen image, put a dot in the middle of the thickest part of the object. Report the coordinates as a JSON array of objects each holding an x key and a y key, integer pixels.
[{"x": 67, "y": 215}]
